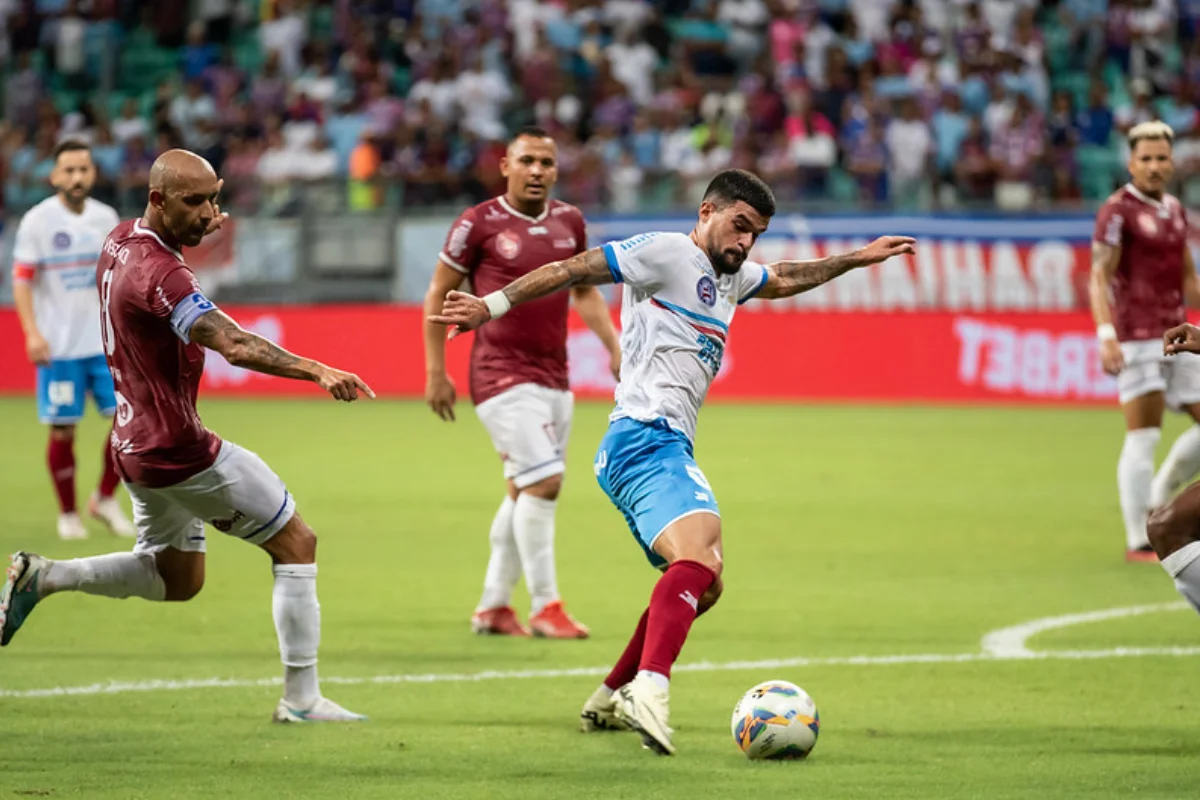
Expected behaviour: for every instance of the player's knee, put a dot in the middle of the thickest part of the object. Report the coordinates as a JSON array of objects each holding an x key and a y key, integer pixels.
[
  {"x": 1169, "y": 529},
  {"x": 296, "y": 543},
  {"x": 63, "y": 433},
  {"x": 181, "y": 588},
  {"x": 547, "y": 488}
]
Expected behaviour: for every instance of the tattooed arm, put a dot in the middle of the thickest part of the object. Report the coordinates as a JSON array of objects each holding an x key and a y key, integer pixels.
[
  {"x": 787, "y": 278},
  {"x": 466, "y": 312},
  {"x": 241, "y": 348}
]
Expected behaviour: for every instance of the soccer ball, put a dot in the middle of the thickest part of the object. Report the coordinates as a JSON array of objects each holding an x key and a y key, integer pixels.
[{"x": 775, "y": 720}]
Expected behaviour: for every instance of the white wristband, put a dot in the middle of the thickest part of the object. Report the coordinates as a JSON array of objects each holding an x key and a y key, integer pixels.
[
  {"x": 1106, "y": 332},
  {"x": 497, "y": 304}
]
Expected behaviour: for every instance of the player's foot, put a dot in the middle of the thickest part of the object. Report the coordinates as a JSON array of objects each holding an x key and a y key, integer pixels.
[
  {"x": 323, "y": 710},
  {"x": 20, "y": 592},
  {"x": 70, "y": 527},
  {"x": 553, "y": 622},
  {"x": 600, "y": 713},
  {"x": 1143, "y": 553},
  {"x": 500, "y": 621},
  {"x": 646, "y": 708},
  {"x": 108, "y": 511}
]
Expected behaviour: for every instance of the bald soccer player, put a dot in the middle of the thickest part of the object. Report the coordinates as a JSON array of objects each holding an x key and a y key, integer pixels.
[{"x": 155, "y": 324}]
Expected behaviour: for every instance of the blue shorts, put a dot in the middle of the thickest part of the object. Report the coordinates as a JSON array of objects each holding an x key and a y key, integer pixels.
[
  {"x": 63, "y": 385},
  {"x": 647, "y": 470}
]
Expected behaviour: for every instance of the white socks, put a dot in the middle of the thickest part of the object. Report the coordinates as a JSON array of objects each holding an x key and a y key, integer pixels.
[
  {"x": 657, "y": 678},
  {"x": 114, "y": 575},
  {"x": 1184, "y": 566},
  {"x": 1135, "y": 473},
  {"x": 298, "y": 625},
  {"x": 1181, "y": 464},
  {"x": 533, "y": 528},
  {"x": 504, "y": 565}
]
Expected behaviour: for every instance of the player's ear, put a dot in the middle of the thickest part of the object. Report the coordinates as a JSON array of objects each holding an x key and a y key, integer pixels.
[
  {"x": 706, "y": 210},
  {"x": 504, "y": 165},
  {"x": 156, "y": 198}
]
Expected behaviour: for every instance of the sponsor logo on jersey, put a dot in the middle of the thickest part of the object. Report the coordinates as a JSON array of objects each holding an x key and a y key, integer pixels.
[
  {"x": 495, "y": 215},
  {"x": 226, "y": 525},
  {"x": 706, "y": 290},
  {"x": 458, "y": 239},
  {"x": 565, "y": 244},
  {"x": 538, "y": 230},
  {"x": 508, "y": 244},
  {"x": 61, "y": 240},
  {"x": 564, "y": 209}
]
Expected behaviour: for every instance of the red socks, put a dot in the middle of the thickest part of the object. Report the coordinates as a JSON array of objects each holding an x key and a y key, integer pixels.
[
  {"x": 672, "y": 611},
  {"x": 110, "y": 478},
  {"x": 627, "y": 665},
  {"x": 61, "y": 457}
]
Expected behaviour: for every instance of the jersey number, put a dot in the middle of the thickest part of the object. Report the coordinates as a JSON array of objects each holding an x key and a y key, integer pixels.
[{"x": 106, "y": 328}]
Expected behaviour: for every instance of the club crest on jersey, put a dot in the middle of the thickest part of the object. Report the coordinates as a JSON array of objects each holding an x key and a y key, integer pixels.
[
  {"x": 706, "y": 290},
  {"x": 508, "y": 244},
  {"x": 62, "y": 240},
  {"x": 1147, "y": 223}
]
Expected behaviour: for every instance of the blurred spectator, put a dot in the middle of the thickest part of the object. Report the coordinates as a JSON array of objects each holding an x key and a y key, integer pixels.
[
  {"x": 188, "y": 110},
  {"x": 633, "y": 62},
  {"x": 867, "y": 162},
  {"x": 198, "y": 55},
  {"x": 909, "y": 146},
  {"x": 1017, "y": 146},
  {"x": 21, "y": 92}
]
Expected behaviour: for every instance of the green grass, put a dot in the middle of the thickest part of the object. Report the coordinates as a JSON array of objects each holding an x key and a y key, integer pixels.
[{"x": 849, "y": 531}]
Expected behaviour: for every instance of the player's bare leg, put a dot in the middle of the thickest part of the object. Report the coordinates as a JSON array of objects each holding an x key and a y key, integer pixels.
[
  {"x": 103, "y": 505},
  {"x": 533, "y": 529},
  {"x": 298, "y": 625},
  {"x": 692, "y": 548},
  {"x": 1181, "y": 464},
  {"x": 1175, "y": 533},
  {"x": 495, "y": 614},
  {"x": 60, "y": 458},
  {"x": 1135, "y": 470}
]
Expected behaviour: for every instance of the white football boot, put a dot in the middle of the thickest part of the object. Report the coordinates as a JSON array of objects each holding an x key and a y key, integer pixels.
[
  {"x": 646, "y": 709},
  {"x": 323, "y": 710},
  {"x": 600, "y": 713},
  {"x": 108, "y": 511},
  {"x": 70, "y": 527}
]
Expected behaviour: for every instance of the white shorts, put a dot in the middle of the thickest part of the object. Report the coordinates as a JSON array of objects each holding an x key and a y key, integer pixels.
[
  {"x": 1148, "y": 370},
  {"x": 529, "y": 425},
  {"x": 238, "y": 495}
]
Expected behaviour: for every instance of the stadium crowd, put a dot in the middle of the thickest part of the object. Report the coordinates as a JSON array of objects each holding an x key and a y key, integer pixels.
[{"x": 902, "y": 102}]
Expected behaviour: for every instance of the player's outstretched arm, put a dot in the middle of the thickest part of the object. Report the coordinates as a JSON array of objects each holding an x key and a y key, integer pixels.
[
  {"x": 241, "y": 348},
  {"x": 466, "y": 312},
  {"x": 1105, "y": 259},
  {"x": 788, "y": 278}
]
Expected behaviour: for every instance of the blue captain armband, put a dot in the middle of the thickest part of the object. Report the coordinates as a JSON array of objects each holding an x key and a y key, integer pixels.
[{"x": 187, "y": 311}]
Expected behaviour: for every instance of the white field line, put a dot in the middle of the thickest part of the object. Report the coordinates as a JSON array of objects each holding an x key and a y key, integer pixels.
[{"x": 1007, "y": 644}]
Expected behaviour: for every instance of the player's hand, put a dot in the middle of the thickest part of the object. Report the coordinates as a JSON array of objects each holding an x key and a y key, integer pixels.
[
  {"x": 440, "y": 394},
  {"x": 886, "y": 247},
  {"x": 464, "y": 312},
  {"x": 1111, "y": 357},
  {"x": 614, "y": 364},
  {"x": 1183, "y": 338},
  {"x": 37, "y": 348},
  {"x": 219, "y": 217},
  {"x": 344, "y": 386}
]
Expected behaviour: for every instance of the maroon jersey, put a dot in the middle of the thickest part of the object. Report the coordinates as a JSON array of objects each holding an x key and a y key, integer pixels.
[
  {"x": 149, "y": 300},
  {"x": 494, "y": 244},
  {"x": 1148, "y": 286}
]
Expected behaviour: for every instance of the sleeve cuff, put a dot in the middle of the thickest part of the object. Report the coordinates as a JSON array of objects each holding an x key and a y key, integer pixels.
[
  {"x": 766, "y": 276},
  {"x": 452, "y": 264},
  {"x": 610, "y": 256}
]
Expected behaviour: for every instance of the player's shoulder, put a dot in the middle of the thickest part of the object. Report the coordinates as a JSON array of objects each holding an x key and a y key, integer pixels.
[
  {"x": 102, "y": 210},
  {"x": 145, "y": 248},
  {"x": 40, "y": 212},
  {"x": 560, "y": 209},
  {"x": 1117, "y": 199},
  {"x": 655, "y": 242}
]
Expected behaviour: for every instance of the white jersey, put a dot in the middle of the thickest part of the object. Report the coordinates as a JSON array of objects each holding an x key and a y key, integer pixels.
[
  {"x": 57, "y": 249},
  {"x": 675, "y": 316}
]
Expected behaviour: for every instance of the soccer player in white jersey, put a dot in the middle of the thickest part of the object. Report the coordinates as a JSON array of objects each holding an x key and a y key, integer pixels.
[
  {"x": 680, "y": 295},
  {"x": 54, "y": 287}
]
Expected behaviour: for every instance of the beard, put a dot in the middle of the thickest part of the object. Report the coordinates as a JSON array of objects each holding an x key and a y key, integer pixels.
[{"x": 726, "y": 262}]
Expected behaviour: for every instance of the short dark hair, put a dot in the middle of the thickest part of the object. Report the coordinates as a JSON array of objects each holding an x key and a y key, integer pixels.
[
  {"x": 70, "y": 146},
  {"x": 731, "y": 185},
  {"x": 532, "y": 131}
]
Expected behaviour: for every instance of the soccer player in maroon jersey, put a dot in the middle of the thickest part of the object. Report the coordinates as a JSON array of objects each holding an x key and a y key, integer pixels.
[
  {"x": 155, "y": 324},
  {"x": 1143, "y": 275},
  {"x": 1174, "y": 529},
  {"x": 519, "y": 375}
]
